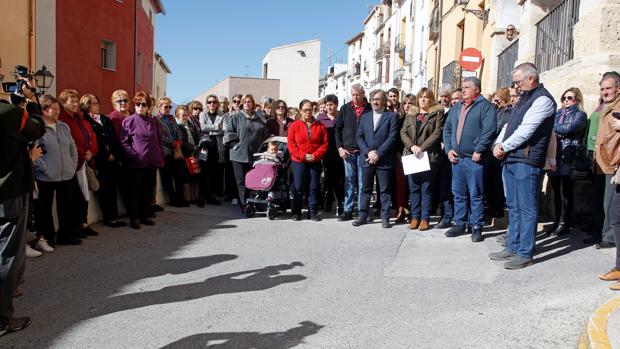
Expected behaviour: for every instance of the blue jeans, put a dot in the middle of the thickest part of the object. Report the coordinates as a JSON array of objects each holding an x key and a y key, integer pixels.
[
  {"x": 420, "y": 195},
  {"x": 305, "y": 175},
  {"x": 522, "y": 185},
  {"x": 353, "y": 178},
  {"x": 468, "y": 190}
]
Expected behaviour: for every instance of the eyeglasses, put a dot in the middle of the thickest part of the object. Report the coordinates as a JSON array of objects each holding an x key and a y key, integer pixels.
[
  {"x": 143, "y": 105},
  {"x": 235, "y": 101},
  {"x": 122, "y": 101},
  {"x": 568, "y": 98},
  {"x": 517, "y": 82},
  {"x": 212, "y": 102},
  {"x": 280, "y": 107}
]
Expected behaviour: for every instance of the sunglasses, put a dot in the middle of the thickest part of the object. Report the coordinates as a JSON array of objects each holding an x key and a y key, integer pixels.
[
  {"x": 236, "y": 101},
  {"x": 143, "y": 105},
  {"x": 212, "y": 102},
  {"x": 167, "y": 106},
  {"x": 568, "y": 98},
  {"x": 199, "y": 109},
  {"x": 280, "y": 107},
  {"x": 122, "y": 101}
]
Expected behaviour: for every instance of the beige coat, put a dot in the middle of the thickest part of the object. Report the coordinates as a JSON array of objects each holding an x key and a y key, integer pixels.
[{"x": 428, "y": 136}]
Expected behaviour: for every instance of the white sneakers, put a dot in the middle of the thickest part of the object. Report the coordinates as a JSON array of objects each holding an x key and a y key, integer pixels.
[
  {"x": 32, "y": 253},
  {"x": 42, "y": 245}
]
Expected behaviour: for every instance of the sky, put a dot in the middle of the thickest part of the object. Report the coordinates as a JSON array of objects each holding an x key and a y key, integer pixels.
[{"x": 205, "y": 41}]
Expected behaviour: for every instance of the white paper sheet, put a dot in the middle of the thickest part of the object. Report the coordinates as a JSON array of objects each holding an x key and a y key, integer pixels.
[{"x": 416, "y": 164}]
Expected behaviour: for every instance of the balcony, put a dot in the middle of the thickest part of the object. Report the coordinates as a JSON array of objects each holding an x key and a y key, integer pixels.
[
  {"x": 554, "y": 35},
  {"x": 399, "y": 47},
  {"x": 376, "y": 81},
  {"x": 380, "y": 22},
  {"x": 381, "y": 51},
  {"x": 506, "y": 63}
]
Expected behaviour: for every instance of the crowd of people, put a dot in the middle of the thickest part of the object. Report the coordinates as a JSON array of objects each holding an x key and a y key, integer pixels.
[{"x": 485, "y": 154}]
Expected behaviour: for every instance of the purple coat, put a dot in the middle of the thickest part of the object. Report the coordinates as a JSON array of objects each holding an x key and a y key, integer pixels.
[{"x": 141, "y": 141}]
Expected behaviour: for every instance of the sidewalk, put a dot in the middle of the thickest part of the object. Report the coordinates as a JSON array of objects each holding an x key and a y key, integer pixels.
[{"x": 603, "y": 329}]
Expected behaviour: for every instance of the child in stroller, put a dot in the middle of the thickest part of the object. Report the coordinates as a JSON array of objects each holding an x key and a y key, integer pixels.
[{"x": 268, "y": 178}]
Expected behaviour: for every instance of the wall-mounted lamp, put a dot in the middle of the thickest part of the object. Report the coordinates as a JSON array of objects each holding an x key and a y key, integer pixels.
[{"x": 483, "y": 15}]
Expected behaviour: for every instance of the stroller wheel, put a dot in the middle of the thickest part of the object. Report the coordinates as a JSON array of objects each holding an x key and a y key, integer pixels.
[
  {"x": 250, "y": 210},
  {"x": 271, "y": 214}
]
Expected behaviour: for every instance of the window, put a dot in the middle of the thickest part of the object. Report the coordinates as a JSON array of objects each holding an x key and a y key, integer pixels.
[
  {"x": 108, "y": 55},
  {"x": 139, "y": 68}
]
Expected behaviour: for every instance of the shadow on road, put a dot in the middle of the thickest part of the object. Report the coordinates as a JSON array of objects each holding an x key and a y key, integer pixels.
[
  {"x": 550, "y": 247},
  {"x": 249, "y": 340}
]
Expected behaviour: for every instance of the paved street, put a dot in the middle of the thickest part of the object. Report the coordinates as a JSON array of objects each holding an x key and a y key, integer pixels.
[{"x": 211, "y": 278}]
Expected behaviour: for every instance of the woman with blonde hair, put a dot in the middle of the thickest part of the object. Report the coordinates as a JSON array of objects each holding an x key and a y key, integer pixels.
[
  {"x": 421, "y": 132},
  {"x": 569, "y": 127},
  {"x": 245, "y": 133}
]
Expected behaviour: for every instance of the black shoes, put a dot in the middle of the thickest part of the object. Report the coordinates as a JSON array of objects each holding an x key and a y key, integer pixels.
[
  {"x": 345, "y": 216},
  {"x": 605, "y": 244},
  {"x": 15, "y": 324},
  {"x": 518, "y": 262},
  {"x": 454, "y": 232},
  {"x": 67, "y": 240},
  {"x": 503, "y": 255},
  {"x": 213, "y": 201},
  {"x": 297, "y": 217},
  {"x": 315, "y": 217},
  {"x": 476, "y": 235},
  {"x": 157, "y": 208},
  {"x": 592, "y": 240},
  {"x": 88, "y": 231},
  {"x": 561, "y": 229},
  {"x": 385, "y": 223},
  {"x": 147, "y": 221},
  {"x": 115, "y": 224},
  {"x": 135, "y": 224},
  {"x": 443, "y": 224},
  {"x": 359, "y": 221}
]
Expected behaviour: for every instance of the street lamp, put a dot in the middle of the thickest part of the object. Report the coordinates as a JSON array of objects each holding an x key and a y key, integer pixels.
[
  {"x": 483, "y": 15},
  {"x": 44, "y": 78}
]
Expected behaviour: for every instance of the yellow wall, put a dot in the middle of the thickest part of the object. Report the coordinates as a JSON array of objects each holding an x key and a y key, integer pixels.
[{"x": 14, "y": 39}]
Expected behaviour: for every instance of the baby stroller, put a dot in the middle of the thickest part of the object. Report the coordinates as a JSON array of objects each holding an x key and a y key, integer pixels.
[{"x": 268, "y": 181}]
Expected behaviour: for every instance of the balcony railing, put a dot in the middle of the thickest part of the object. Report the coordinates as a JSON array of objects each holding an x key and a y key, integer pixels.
[
  {"x": 399, "y": 47},
  {"x": 506, "y": 63},
  {"x": 554, "y": 35},
  {"x": 451, "y": 74},
  {"x": 380, "y": 51}
]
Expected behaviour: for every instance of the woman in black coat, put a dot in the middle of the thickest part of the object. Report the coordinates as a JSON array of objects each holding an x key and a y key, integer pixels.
[{"x": 107, "y": 164}]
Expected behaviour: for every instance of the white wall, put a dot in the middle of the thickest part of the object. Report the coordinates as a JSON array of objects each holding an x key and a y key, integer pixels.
[{"x": 299, "y": 76}]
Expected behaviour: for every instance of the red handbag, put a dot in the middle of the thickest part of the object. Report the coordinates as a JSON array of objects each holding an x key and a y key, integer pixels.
[{"x": 192, "y": 165}]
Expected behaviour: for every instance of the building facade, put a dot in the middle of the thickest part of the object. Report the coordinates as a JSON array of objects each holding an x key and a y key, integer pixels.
[
  {"x": 232, "y": 85},
  {"x": 296, "y": 66},
  {"x": 160, "y": 76},
  {"x": 335, "y": 82}
]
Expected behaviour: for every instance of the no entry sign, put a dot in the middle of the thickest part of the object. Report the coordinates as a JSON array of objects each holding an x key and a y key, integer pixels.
[{"x": 470, "y": 59}]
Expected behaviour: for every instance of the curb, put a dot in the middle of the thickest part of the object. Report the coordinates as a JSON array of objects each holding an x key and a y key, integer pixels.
[{"x": 595, "y": 334}]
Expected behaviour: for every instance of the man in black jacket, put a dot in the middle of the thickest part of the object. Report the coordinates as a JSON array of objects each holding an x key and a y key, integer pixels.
[
  {"x": 345, "y": 131},
  {"x": 17, "y": 128}
]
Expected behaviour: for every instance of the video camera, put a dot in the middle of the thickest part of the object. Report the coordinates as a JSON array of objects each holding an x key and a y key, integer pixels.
[{"x": 15, "y": 89}]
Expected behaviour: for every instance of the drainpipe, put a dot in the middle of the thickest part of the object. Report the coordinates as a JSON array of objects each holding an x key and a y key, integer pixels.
[
  {"x": 438, "y": 63},
  {"x": 31, "y": 37},
  {"x": 135, "y": 45}
]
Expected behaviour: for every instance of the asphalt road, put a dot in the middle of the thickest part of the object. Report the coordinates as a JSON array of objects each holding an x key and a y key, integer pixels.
[{"x": 212, "y": 278}]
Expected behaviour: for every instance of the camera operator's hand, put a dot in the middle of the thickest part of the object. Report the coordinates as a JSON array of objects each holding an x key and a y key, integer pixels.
[
  {"x": 88, "y": 155},
  {"x": 36, "y": 153},
  {"x": 28, "y": 88}
]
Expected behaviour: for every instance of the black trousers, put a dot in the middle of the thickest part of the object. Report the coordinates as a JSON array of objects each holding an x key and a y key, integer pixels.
[
  {"x": 141, "y": 181},
  {"x": 172, "y": 179},
  {"x": 211, "y": 176},
  {"x": 79, "y": 203},
  {"x": 494, "y": 187},
  {"x": 107, "y": 174},
  {"x": 385, "y": 194},
  {"x": 563, "y": 200},
  {"x": 13, "y": 222},
  {"x": 333, "y": 170},
  {"x": 64, "y": 209},
  {"x": 240, "y": 169}
]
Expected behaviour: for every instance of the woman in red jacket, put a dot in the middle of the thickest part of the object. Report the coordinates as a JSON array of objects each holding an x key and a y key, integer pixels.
[
  {"x": 307, "y": 143},
  {"x": 86, "y": 143}
]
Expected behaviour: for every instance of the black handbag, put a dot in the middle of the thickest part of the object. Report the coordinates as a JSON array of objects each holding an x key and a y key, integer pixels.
[{"x": 581, "y": 169}]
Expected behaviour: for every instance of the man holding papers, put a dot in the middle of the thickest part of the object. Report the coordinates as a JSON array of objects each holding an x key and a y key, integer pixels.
[
  {"x": 467, "y": 135},
  {"x": 421, "y": 133},
  {"x": 376, "y": 135}
]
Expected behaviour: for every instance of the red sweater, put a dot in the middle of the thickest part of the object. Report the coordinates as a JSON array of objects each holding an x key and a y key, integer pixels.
[
  {"x": 83, "y": 135},
  {"x": 299, "y": 144}
]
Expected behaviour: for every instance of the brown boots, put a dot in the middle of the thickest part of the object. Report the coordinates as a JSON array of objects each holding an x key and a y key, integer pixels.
[{"x": 420, "y": 225}]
